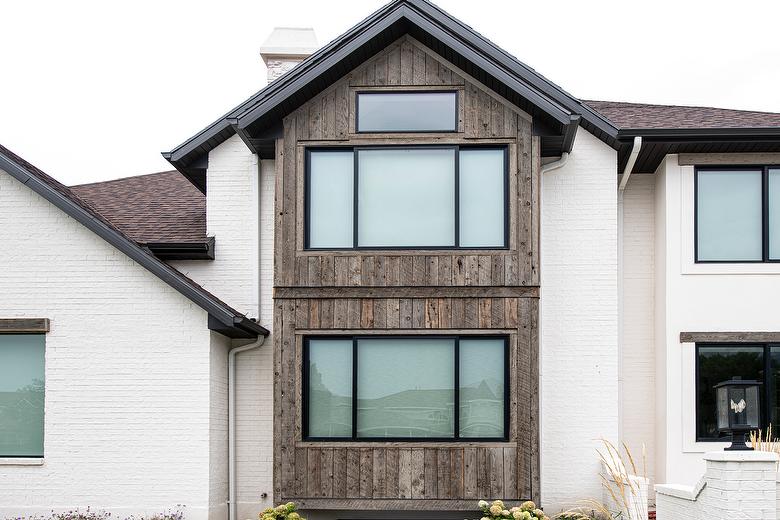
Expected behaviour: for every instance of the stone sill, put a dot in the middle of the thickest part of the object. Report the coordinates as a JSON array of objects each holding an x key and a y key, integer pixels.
[{"x": 21, "y": 461}]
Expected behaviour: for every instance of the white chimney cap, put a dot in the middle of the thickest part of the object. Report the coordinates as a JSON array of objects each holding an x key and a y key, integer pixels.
[{"x": 289, "y": 42}]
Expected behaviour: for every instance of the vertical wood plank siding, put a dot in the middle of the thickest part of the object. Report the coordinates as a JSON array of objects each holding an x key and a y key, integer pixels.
[{"x": 397, "y": 475}]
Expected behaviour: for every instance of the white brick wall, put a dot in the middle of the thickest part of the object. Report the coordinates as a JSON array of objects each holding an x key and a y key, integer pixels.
[
  {"x": 122, "y": 430},
  {"x": 579, "y": 343},
  {"x": 242, "y": 229},
  {"x": 637, "y": 377}
]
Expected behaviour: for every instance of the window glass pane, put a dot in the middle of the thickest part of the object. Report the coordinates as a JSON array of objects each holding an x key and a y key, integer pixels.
[
  {"x": 330, "y": 198},
  {"x": 481, "y": 387},
  {"x": 482, "y": 198},
  {"x": 729, "y": 215},
  {"x": 718, "y": 364},
  {"x": 330, "y": 388},
  {"x": 406, "y": 387},
  {"x": 774, "y": 214},
  {"x": 21, "y": 395},
  {"x": 406, "y": 197},
  {"x": 407, "y": 112}
]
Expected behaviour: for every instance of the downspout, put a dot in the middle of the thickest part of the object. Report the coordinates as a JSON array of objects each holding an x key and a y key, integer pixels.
[
  {"x": 232, "y": 421},
  {"x": 621, "y": 188},
  {"x": 555, "y": 164}
]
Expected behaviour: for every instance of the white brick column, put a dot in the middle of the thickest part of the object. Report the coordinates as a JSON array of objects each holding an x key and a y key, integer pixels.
[{"x": 741, "y": 484}]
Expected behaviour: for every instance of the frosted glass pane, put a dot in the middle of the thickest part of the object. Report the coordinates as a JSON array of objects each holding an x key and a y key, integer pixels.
[
  {"x": 330, "y": 388},
  {"x": 482, "y": 218},
  {"x": 331, "y": 175},
  {"x": 407, "y": 112},
  {"x": 21, "y": 395},
  {"x": 729, "y": 215},
  {"x": 482, "y": 388},
  {"x": 406, "y": 387},
  {"x": 774, "y": 214},
  {"x": 406, "y": 197}
]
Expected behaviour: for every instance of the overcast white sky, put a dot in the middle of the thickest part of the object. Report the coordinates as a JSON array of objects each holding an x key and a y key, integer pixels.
[{"x": 95, "y": 90}]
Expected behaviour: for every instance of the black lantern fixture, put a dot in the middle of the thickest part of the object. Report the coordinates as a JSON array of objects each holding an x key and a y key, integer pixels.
[{"x": 739, "y": 410}]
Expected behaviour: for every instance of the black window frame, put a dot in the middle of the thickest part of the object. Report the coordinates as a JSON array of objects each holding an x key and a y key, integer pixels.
[
  {"x": 764, "y": 391},
  {"x": 764, "y": 211},
  {"x": 355, "y": 185},
  {"x": 456, "y": 383},
  {"x": 382, "y": 92}
]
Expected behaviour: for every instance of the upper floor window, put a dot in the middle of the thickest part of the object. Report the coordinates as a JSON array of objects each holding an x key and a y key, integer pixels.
[
  {"x": 738, "y": 214},
  {"x": 436, "y": 197},
  {"x": 405, "y": 388},
  {"x": 21, "y": 395},
  {"x": 407, "y": 112}
]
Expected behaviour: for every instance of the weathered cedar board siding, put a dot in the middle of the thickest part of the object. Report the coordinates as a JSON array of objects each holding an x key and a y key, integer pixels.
[{"x": 406, "y": 292}]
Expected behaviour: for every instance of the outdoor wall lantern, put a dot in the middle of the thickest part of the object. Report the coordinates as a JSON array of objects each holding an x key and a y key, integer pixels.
[{"x": 738, "y": 410}]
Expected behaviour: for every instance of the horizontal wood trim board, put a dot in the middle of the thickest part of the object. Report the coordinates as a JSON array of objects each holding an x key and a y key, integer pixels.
[
  {"x": 477, "y": 331},
  {"x": 727, "y": 159},
  {"x": 24, "y": 325},
  {"x": 389, "y": 505},
  {"x": 405, "y": 444},
  {"x": 525, "y": 291},
  {"x": 730, "y": 337},
  {"x": 406, "y": 138}
]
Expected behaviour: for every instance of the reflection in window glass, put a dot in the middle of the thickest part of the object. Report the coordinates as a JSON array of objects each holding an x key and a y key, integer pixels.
[
  {"x": 715, "y": 365},
  {"x": 728, "y": 212},
  {"x": 406, "y": 197},
  {"x": 330, "y": 388},
  {"x": 405, "y": 388},
  {"x": 481, "y": 198},
  {"x": 21, "y": 395},
  {"x": 330, "y": 199},
  {"x": 481, "y": 388},
  {"x": 407, "y": 112}
]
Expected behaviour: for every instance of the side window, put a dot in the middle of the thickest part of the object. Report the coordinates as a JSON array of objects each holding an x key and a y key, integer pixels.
[
  {"x": 738, "y": 214},
  {"x": 21, "y": 395}
]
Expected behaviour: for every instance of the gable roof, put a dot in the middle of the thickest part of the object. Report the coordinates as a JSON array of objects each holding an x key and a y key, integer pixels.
[
  {"x": 556, "y": 113},
  {"x": 222, "y": 317}
]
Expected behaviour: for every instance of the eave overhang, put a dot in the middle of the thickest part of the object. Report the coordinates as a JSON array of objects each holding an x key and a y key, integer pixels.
[{"x": 257, "y": 120}]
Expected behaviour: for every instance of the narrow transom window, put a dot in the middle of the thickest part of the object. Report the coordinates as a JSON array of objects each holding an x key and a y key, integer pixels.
[
  {"x": 407, "y": 112},
  {"x": 405, "y": 388},
  {"x": 21, "y": 395},
  {"x": 438, "y": 197},
  {"x": 737, "y": 214}
]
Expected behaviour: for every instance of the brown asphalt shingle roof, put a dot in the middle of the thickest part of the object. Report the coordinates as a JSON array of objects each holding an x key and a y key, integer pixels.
[
  {"x": 154, "y": 208},
  {"x": 642, "y": 115}
]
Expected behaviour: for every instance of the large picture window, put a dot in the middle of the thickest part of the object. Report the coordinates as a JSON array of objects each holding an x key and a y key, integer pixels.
[
  {"x": 718, "y": 362},
  {"x": 433, "y": 197},
  {"x": 21, "y": 395},
  {"x": 738, "y": 214},
  {"x": 405, "y": 388}
]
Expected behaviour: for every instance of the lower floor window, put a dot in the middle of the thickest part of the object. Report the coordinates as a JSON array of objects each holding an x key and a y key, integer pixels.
[
  {"x": 21, "y": 395},
  {"x": 720, "y": 362},
  {"x": 405, "y": 388}
]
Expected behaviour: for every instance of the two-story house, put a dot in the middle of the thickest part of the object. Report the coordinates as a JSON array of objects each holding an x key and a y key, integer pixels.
[{"x": 451, "y": 276}]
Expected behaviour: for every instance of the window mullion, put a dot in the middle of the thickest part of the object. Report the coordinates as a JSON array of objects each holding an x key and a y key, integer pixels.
[
  {"x": 456, "y": 411},
  {"x": 457, "y": 196},
  {"x": 765, "y": 214},
  {"x": 355, "y": 199},
  {"x": 354, "y": 387}
]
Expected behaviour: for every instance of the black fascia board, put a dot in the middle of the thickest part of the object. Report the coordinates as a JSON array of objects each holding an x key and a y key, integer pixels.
[
  {"x": 216, "y": 309},
  {"x": 183, "y": 250},
  {"x": 702, "y": 134}
]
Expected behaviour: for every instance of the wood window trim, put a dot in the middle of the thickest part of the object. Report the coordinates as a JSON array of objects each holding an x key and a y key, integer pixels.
[
  {"x": 24, "y": 325},
  {"x": 729, "y": 337}
]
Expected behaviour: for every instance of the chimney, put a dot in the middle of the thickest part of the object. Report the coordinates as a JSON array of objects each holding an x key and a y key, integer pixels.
[{"x": 285, "y": 48}]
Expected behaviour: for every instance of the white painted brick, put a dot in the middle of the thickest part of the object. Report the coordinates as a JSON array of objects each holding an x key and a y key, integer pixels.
[{"x": 122, "y": 429}]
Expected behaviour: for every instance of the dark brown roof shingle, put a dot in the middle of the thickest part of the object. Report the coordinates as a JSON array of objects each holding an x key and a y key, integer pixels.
[
  {"x": 642, "y": 116},
  {"x": 159, "y": 207}
]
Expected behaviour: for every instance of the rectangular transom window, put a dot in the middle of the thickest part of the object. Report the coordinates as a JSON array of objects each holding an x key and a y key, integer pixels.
[
  {"x": 718, "y": 362},
  {"x": 405, "y": 388},
  {"x": 435, "y": 197},
  {"x": 21, "y": 395},
  {"x": 737, "y": 214},
  {"x": 407, "y": 112}
]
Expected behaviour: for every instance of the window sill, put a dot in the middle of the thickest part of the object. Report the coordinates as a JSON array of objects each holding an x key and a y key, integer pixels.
[
  {"x": 405, "y": 444},
  {"x": 21, "y": 461}
]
